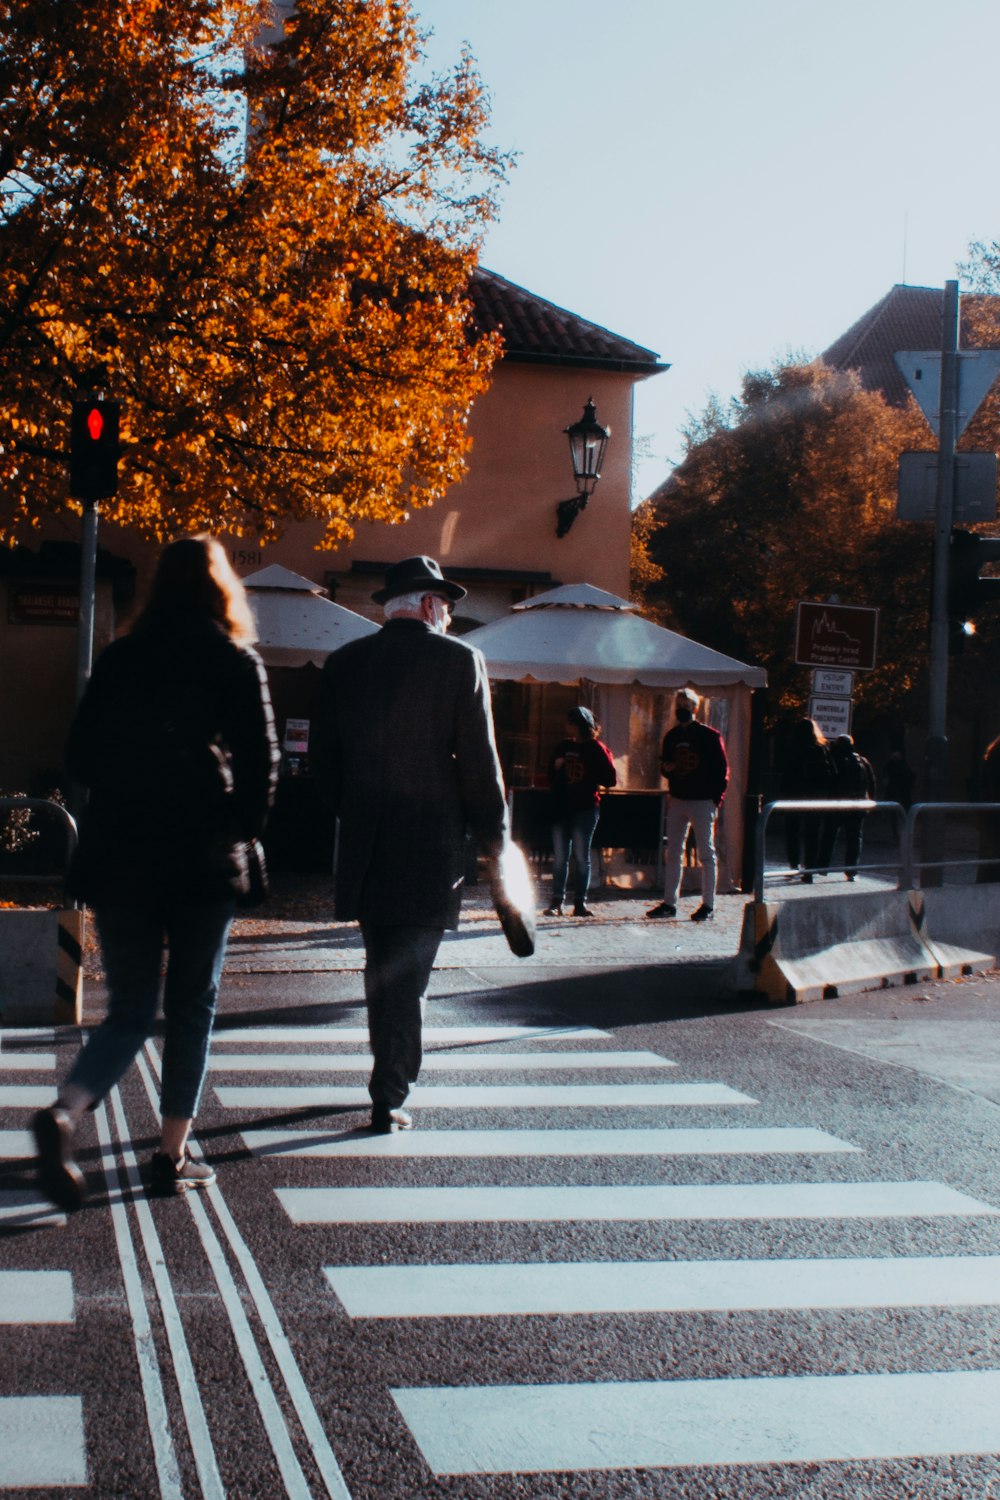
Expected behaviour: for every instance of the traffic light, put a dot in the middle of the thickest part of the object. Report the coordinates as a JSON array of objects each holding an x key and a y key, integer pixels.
[
  {"x": 968, "y": 593},
  {"x": 93, "y": 450}
]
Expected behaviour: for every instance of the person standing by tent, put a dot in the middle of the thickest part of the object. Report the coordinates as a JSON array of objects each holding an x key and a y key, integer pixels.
[
  {"x": 694, "y": 761},
  {"x": 580, "y": 768}
]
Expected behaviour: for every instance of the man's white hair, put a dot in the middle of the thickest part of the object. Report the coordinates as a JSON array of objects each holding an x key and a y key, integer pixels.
[{"x": 405, "y": 604}]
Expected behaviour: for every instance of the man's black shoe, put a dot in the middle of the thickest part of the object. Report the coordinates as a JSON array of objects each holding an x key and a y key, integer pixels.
[
  {"x": 580, "y": 910},
  {"x": 59, "y": 1177},
  {"x": 703, "y": 914},
  {"x": 663, "y": 910},
  {"x": 385, "y": 1120}
]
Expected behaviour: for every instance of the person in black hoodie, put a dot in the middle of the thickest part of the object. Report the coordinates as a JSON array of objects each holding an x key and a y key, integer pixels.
[
  {"x": 174, "y": 737},
  {"x": 581, "y": 766},
  {"x": 809, "y": 776}
]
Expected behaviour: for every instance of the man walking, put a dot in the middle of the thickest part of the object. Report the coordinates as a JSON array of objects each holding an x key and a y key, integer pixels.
[
  {"x": 408, "y": 761},
  {"x": 693, "y": 759}
]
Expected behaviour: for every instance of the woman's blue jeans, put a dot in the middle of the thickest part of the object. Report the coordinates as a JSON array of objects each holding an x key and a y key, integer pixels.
[
  {"x": 132, "y": 941},
  {"x": 575, "y": 831}
]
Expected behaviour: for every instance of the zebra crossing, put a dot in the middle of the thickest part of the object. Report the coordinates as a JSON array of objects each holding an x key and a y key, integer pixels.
[
  {"x": 585, "y": 1426},
  {"x": 41, "y": 1437}
]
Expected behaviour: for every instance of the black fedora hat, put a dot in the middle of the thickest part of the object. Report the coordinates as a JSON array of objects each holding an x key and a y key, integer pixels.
[{"x": 415, "y": 575}]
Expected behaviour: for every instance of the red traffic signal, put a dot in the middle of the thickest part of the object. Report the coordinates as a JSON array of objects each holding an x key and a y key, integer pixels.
[{"x": 93, "y": 450}]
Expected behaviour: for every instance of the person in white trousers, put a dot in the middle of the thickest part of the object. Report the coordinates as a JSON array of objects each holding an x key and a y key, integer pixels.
[{"x": 693, "y": 759}]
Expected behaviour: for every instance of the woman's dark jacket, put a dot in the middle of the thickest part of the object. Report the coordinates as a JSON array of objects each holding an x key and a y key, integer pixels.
[
  {"x": 587, "y": 766},
  {"x": 174, "y": 738}
]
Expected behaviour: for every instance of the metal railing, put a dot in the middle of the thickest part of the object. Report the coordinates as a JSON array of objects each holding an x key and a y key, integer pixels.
[
  {"x": 56, "y": 810},
  {"x": 909, "y": 865},
  {"x": 827, "y": 809}
]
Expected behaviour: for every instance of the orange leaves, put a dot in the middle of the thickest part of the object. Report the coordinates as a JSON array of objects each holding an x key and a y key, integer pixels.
[{"x": 285, "y": 340}]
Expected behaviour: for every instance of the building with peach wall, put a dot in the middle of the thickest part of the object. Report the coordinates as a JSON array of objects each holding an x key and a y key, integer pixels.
[{"x": 495, "y": 532}]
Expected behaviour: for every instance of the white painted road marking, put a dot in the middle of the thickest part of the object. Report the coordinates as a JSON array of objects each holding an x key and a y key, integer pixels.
[
  {"x": 25, "y": 1095},
  {"x": 628, "y": 1425},
  {"x": 441, "y": 1062},
  {"x": 36, "y": 1297},
  {"x": 449, "y": 1291},
  {"x": 27, "y": 1061},
  {"x": 466, "y": 1205},
  {"x": 433, "y": 1036},
  {"x": 41, "y": 1442},
  {"x": 736, "y": 1141},
  {"x": 488, "y": 1096},
  {"x": 16, "y": 1144},
  {"x": 27, "y": 1208}
]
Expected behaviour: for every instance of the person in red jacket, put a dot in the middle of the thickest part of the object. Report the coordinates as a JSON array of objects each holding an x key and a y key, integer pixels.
[
  {"x": 693, "y": 759},
  {"x": 580, "y": 767}
]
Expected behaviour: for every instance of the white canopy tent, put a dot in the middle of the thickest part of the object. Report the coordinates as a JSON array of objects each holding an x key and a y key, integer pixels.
[
  {"x": 579, "y": 631},
  {"x": 296, "y": 624},
  {"x": 627, "y": 669}
]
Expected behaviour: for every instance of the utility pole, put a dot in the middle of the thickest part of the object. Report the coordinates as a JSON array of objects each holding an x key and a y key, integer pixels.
[{"x": 937, "y": 743}]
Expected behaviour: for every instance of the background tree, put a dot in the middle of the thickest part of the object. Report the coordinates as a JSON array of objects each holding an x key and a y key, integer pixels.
[
  {"x": 789, "y": 493},
  {"x": 287, "y": 325}
]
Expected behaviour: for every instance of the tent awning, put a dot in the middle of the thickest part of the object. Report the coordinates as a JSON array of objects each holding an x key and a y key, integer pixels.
[
  {"x": 296, "y": 624},
  {"x": 588, "y": 634}
]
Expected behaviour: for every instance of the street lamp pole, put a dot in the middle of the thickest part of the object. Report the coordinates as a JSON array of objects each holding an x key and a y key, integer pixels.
[{"x": 937, "y": 743}]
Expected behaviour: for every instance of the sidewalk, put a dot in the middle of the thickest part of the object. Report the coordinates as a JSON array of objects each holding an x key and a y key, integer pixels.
[{"x": 295, "y": 932}]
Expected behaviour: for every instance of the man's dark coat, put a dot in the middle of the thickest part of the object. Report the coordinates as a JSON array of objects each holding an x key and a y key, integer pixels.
[{"x": 406, "y": 753}]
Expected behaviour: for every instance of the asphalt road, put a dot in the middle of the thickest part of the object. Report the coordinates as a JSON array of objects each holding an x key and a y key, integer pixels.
[{"x": 643, "y": 1242}]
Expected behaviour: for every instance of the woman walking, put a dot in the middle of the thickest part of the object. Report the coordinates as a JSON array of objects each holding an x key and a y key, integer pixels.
[
  {"x": 174, "y": 738},
  {"x": 581, "y": 766}
]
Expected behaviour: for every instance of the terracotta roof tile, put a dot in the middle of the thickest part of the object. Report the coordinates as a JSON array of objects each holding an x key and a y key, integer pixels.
[
  {"x": 536, "y": 331},
  {"x": 907, "y": 317}
]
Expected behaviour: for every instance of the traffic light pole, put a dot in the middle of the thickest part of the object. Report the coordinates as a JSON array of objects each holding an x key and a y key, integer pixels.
[
  {"x": 88, "y": 594},
  {"x": 937, "y": 744}
]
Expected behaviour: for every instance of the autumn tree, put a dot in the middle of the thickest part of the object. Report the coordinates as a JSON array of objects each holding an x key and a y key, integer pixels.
[
  {"x": 260, "y": 243},
  {"x": 789, "y": 493}
]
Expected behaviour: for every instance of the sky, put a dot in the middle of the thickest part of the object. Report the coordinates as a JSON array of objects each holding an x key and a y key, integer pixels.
[{"x": 731, "y": 182}]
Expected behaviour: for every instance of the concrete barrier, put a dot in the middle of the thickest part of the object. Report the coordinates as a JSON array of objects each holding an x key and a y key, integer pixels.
[
  {"x": 41, "y": 967},
  {"x": 819, "y": 947},
  {"x": 961, "y": 926}
]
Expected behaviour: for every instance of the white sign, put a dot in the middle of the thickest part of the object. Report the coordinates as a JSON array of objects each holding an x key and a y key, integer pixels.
[
  {"x": 977, "y": 370},
  {"x": 975, "y": 492},
  {"x": 833, "y": 715},
  {"x": 296, "y": 736},
  {"x": 827, "y": 684}
]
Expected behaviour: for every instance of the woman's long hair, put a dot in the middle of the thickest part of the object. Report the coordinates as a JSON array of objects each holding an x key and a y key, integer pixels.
[{"x": 194, "y": 580}]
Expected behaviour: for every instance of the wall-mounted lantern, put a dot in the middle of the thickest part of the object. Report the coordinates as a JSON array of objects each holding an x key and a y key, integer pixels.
[{"x": 587, "y": 442}]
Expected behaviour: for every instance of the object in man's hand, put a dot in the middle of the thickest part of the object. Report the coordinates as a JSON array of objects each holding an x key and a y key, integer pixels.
[{"x": 514, "y": 900}]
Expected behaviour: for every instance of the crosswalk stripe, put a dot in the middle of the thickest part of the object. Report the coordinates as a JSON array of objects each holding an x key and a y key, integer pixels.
[
  {"x": 25, "y": 1095},
  {"x": 432, "y": 1035},
  {"x": 27, "y": 1208},
  {"x": 36, "y": 1297},
  {"x": 42, "y": 1035},
  {"x": 665, "y": 1424},
  {"x": 735, "y": 1141},
  {"x": 16, "y": 1144},
  {"x": 488, "y": 1096},
  {"x": 466, "y": 1205},
  {"x": 465, "y": 1291},
  {"x": 24, "y": 1061},
  {"x": 41, "y": 1442},
  {"x": 451, "y": 1062}
]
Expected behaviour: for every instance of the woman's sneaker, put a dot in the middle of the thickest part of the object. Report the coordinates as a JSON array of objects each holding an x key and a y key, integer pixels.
[
  {"x": 168, "y": 1177},
  {"x": 59, "y": 1177}
]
